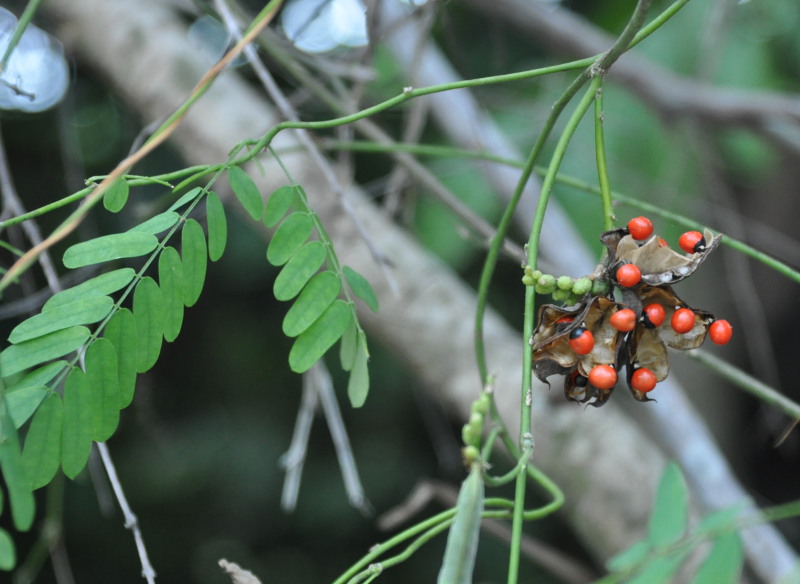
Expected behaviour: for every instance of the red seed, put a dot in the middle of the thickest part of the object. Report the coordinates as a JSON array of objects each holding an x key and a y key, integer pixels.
[
  {"x": 720, "y": 332},
  {"x": 581, "y": 341},
  {"x": 640, "y": 228},
  {"x": 654, "y": 315},
  {"x": 623, "y": 320},
  {"x": 564, "y": 320},
  {"x": 692, "y": 242},
  {"x": 662, "y": 242},
  {"x": 643, "y": 380},
  {"x": 628, "y": 275},
  {"x": 603, "y": 376},
  {"x": 682, "y": 320}
]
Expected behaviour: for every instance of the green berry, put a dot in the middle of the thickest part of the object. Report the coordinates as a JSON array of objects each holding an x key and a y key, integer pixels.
[
  {"x": 582, "y": 286},
  {"x": 564, "y": 283},
  {"x": 528, "y": 281},
  {"x": 536, "y": 274},
  {"x": 481, "y": 405},
  {"x": 601, "y": 287},
  {"x": 471, "y": 454},
  {"x": 560, "y": 295}
]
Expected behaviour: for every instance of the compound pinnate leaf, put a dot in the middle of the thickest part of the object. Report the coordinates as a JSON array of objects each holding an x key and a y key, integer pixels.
[
  {"x": 358, "y": 384},
  {"x": 84, "y": 311},
  {"x": 287, "y": 239},
  {"x": 130, "y": 244},
  {"x": 17, "y": 486},
  {"x": 310, "y": 346},
  {"x": 8, "y": 554},
  {"x": 670, "y": 510},
  {"x": 723, "y": 565},
  {"x": 16, "y": 358},
  {"x": 299, "y": 269},
  {"x": 195, "y": 261},
  {"x": 278, "y": 204},
  {"x": 170, "y": 278},
  {"x": 313, "y": 301},
  {"x": 157, "y": 224},
  {"x": 116, "y": 196},
  {"x": 148, "y": 310},
  {"x": 101, "y": 285},
  {"x": 121, "y": 331},
  {"x": 41, "y": 455},
  {"x": 217, "y": 227},
  {"x": 103, "y": 379},
  {"x": 246, "y": 191},
  {"x": 76, "y": 435},
  {"x": 462, "y": 539},
  {"x": 361, "y": 287}
]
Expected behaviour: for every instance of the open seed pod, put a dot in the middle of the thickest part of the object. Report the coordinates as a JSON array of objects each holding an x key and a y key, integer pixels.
[
  {"x": 694, "y": 336},
  {"x": 577, "y": 388},
  {"x": 659, "y": 264}
]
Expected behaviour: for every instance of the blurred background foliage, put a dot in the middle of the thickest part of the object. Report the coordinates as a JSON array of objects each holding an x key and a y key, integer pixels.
[{"x": 199, "y": 450}]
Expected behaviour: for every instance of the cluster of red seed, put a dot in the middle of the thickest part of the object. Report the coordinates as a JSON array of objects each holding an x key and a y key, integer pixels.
[{"x": 630, "y": 332}]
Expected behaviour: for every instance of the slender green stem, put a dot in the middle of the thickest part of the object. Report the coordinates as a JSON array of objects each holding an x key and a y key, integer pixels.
[
  {"x": 602, "y": 166},
  {"x": 747, "y": 382},
  {"x": 506, "y": 478},
  {"x": 22, "y": 24}
]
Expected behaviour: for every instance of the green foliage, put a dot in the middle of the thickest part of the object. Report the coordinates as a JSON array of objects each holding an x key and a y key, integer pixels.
[
  {"x": 41, "y": 455},
  {"x": 217, "y": 227},
  {"x": 76, "y": 438},
  {"x": 116, "y": 196},
  {"x": 105, "y": 248},
  {"x": 246, "y": 191},
  {"x": 657, "y": 558},
  {"x": 462, "y": 539},
  {"x": 27, "y": 354}
]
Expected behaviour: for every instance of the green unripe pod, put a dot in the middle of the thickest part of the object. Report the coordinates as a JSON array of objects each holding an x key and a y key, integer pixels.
[
  {"x": 560, "y": 295},
  {"x": 564, "y": 283},
  {"x": 546, "y": 284},
  {"x": 528, "y": 280},
  {"x": 582, "y": 286},
  {"x": 471, "y": 454},
  {"x": 471, "y": 435},
  {"x": 601, "y": 287},
  {"x": 481, "y": 405},
  {"x": 535, "y": 274}
]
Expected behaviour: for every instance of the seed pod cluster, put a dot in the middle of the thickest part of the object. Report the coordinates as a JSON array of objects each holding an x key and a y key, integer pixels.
[{"x": 590, "y": 341}]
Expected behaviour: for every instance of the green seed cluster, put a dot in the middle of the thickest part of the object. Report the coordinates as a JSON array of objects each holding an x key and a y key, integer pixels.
[
  {"x": 564, "y": 288},
  {"x": 472, "y": 431}
]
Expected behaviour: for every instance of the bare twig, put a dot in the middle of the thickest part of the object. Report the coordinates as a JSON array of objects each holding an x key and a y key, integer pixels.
[{"x": 238, "y": 574}]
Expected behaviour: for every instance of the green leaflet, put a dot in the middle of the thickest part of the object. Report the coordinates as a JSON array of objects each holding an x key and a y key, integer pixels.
[
  {"x": 723, "y": 565},
  {"x": 217, "y": 226},
  {"x": 195, "y": 259},
  {"x": 361, "y": 287},
  {"x": 631, "y": 557},
  {"x": 84, "y": 311},
  {"x": 290, "y": 235},
  {"x": 8, "y": 555},
  {"x": 130, "y": 244},
  {"x": 16, "y": 358},
  {"x": 76, "y": 435},
  {"x": 310, "y": 346},
  {"x": 314, "y": 300},
  {"x": 462, "y": 539},
  {"x": 246, "y": 191},
  {"x": 670, "y": 510},
  {"x": 358, "y": 384},
  {"x": 121, "y": 331},
  {"x": 19, "y": 492},
  {"x": 157, "y": 224},
  {"x": 116, "y": 196},
  {"x": 660, "y": 570},
  {"x": 25, "y": 394},
  {"x": 102, "y": 285},
  {"x": 278, "y": 204},
  {"x": 299, "y": 269},
  {"x": 186, "y": 197},
  {"x": 41, "y": 455},
  {"x": 348, "y": 347},
  {"x": 170, "y": 278},
  {"x": 103, "y": 380},
  {"x": 148, "y": 310}
]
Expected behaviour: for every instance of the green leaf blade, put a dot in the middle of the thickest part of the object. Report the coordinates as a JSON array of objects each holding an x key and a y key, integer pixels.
[
  {"x": 8, "y": 554},
  {"x": 278, "y": 204},
  {"x": 41, "y": 455},
  {"x": 116, "y": 196},
  {"x": 76, "y": 434},
  {"x": 312, "y": 344},
  {"x": 246, "y": 191},
  {"x": 287, "y": 239},
  {"x": 84, "y": 311},
  {"x": 296, "y": 273},
  {"x": 361, "y": 287},
  {"x": 724, "y": 563},
  {"x": 25, "y": 394},
  {"x": 157, "y": 224},
  {"x": 185, "y": 198},
  {"x": 148, "y": 310},
  {"x": 103, "y": 380},
  {"x": 23, "y": 505},
  {"x": 217, "y": 226},
  {"x": 121, "y": 332},
  {"x": 101, "y": 285},
  {"x": 670, "y": 510},
  {"x": 106, "y": 248},
  {"x": 313, "y": 301},
  {"x": 171, "y": 281},
  {"x": 358, "y": 384},
  {"x": 195, "y": 261},
  {"x": 25, "y": 355}
]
